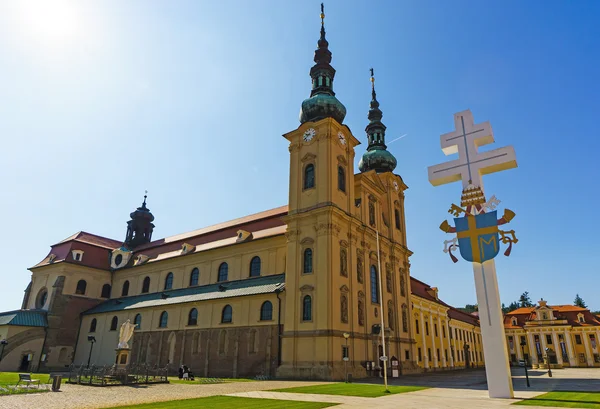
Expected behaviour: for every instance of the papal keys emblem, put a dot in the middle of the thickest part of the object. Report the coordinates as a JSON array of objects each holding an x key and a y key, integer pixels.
[{"x": 477, "y": 235}]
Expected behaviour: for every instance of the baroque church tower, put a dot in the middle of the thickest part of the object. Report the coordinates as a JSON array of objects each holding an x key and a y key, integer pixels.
[{"x": 329, "y": 247}]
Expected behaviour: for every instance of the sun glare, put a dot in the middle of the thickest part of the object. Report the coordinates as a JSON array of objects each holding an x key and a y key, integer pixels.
[{"x": 52, "y": 22}]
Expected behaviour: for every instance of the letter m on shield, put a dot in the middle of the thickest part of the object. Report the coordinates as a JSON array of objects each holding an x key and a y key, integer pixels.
[{"x": 478, "y": 237}]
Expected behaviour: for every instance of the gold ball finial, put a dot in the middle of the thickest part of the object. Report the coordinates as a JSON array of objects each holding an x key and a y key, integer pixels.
[{"x": 322, "y": 13}]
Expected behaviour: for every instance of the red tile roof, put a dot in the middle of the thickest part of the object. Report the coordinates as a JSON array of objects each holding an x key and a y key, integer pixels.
[{"x": 561, "y": 312}]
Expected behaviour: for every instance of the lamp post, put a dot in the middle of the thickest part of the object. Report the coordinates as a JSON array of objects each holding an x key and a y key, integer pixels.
[
  {"x": 4, "y": 343},
  {"x": 548, "y": 362},
  {"x": 346, "y": 355},
  {"x": 92, "y": 340},
  {"x": 523, "y": 343}
]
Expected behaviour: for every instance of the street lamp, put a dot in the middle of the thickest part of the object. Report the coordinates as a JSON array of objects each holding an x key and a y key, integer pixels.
[
  {"x": 346, "y": 355},
  {"x": 4, "y": 343},
  {"x": 523, "y": 343},
  {"x": 92, "y": 340},
  {"x": 548, "y": 361}
]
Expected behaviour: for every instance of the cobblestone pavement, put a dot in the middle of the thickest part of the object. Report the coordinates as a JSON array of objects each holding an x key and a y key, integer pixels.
[{"x": 449, "y": 390}]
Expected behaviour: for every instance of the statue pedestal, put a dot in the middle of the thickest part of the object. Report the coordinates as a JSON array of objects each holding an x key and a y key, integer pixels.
[{"x": 123, "y": 355}]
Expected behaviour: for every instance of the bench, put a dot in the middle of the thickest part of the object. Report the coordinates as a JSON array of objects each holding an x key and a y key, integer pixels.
[{"x": 26, "y": 379}]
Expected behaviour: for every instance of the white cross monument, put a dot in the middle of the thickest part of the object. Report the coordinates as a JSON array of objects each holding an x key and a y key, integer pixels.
[{"x": 470, "y": 166}]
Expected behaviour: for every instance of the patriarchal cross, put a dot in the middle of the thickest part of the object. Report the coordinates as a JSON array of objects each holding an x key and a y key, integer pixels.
[{"x": 471, "y": 164}]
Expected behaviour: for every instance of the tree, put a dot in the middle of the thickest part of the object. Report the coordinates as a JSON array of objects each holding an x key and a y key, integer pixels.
[
  {"x": 470, "y": 308},
  {"x": 579, "y": 301},
  {"x": 524, "y": 300},
  {"x": 513, "y": 306}
]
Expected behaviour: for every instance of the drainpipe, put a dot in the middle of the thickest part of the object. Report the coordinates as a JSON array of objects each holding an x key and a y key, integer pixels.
[{"x": 278, "y": 327}]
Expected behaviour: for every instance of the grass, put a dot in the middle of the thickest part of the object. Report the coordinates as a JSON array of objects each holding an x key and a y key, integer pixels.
[
  {"x": 364, "y": 390},
  {"x": 587, "y": 400},
  {"x": 204, "y": 381},
  {"x": 230, "y": 402},
  {"x": 11, "y": 378}
]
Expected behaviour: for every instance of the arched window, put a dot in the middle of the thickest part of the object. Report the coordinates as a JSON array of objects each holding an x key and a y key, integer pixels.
[
  {"x": 374, "y": 285},
  {"x": 169, "y": 281},
  {"x": 341, "y": 179},
  {"x": 266, "y": 311},
  {"x": 41, "y": 298},
  {"x": 164, "y": 320},
  {"x": 226, "y": 314},
  {"x": 344, "y": 309},
  {"x": 93, "y": 325},
  {"x": 397, "y": 218},
  {"x": 223, "y": 272},
  {"x": 255, "y": 266},
  {"x": 125, "y": 289},
  {"x": 138, "y": 321},
  {"x": 306, "y": 308},
  {"x": 194, "y": 277},
  {"x": 81, "y": 286},
  {"x": 193, "y": 317},
  {"x": 308, "y": 261},
  {"x": 114, "y": 323},
  {"x": 309, "y": 176},
  {"x": 105, "y": 291},
  {"x": 146, "y": 285}
]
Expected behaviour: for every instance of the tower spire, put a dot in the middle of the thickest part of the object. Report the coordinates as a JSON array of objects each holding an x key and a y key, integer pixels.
[
  {"x": 376, "y": 157},
  {"x": 322, "y": 102},
  {"x": 140, "y": 226}
]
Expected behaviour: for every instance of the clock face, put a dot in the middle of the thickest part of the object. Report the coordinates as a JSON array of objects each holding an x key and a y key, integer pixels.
[
  {"x": 342, "y": 138},
  {"x": 395, "y": 185},
  {"x": 309, "y": 134}
]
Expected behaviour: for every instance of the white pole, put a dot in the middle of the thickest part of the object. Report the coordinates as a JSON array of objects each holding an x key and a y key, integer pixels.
[{"x": 382, "y": 312}]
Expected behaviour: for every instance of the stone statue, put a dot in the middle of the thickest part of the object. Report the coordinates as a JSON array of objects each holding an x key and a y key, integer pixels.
[{"x": 125, "y": 334}]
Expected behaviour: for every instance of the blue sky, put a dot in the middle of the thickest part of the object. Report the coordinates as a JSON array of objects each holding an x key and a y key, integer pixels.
[{"x": 188, "y": 99}]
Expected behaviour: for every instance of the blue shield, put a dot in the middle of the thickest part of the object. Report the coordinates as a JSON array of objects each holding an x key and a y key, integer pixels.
[{"x": 478, "y": 239}]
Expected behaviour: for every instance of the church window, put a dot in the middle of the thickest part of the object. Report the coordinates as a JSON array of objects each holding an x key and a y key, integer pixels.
[
  {"x": 374, "y": 283},
  {"x": 138, "y": 321},
  {"x": 359, "y": 270},
  {"x": 93, "y": 325},
  {"x": 417, "y": 326},
  {"x": 169, "y": 281},
  {"x": 514, "y": 321},
  {"x": 444, "y": 332},
  {"x": 307, "y": 308},
  {"x": 343, "y": 263},
  {"x": 193, "y": 317},
  {"x": 146, "y": 285},
  {"x": 227, "y": 315},
  {"x": 125, "y": 289},
  {"x": 371, "y": 213},
  {"x": 361, "y": 313},
  {"x": 388, "y": 281},
  {"x": 391, "y": 323},
  {"x": 223, "y": 272},
  {"x": 194, "y": 277},
  {"x": 81, "y": 286},
  {"x": 164, "y": 320},
  {"x": 114, "y": 323},
  {"x": 397, "y": 218},
  {"x": 118, "y": 259},
  {"x": 308, "y": 261},
  {"x": 435, "y": 330},
  {"x": 344, "y": 309},
  {"x": 402, "y": 284},
  {"x": 105, "y": 291},
  {"x": 580, "y": 318},
  {"x": 404, "y": 318},
  {"x": 255, "y": 266},
  {"x": 266, "y": 311},
  {"x": 426, "y": 328},
  {"x": 42, "y": 298},
  {"x": 341, "y": 179},
  {"x": 309, "y": 176}
]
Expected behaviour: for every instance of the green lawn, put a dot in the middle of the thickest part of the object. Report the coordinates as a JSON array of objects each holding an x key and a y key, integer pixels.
[
  {"x": 588, "y": 400},
  {"x": 230, "y": 402},
  {"x": 352, "y": 389},
  {"x": 11, "y": 379},
  {"x": 203, "y": 381}
]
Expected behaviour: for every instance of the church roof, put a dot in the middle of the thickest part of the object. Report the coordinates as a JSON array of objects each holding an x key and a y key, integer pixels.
[
  {"x": 26, "y": 318},
  {"x": 239, "y": 288}
]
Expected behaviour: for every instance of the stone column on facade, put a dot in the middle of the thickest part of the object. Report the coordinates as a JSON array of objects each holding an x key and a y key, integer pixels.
[
  {"x": 432, "y": 335},
  {"x": 517, "y": 344},
  {"x": 424, "y": 342},
  {"x": 589, "y": 356},
  {"x": 532, "y": 350},
  {"x": 570, "y": 352},
  {"x": 450, "y": 339},
  {"x": 557, "y": 348},
  {"x": 443, "y": 348}
]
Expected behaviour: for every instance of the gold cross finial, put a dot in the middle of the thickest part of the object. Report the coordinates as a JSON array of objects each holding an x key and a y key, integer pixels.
[{"x": 322, "y": 15}]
